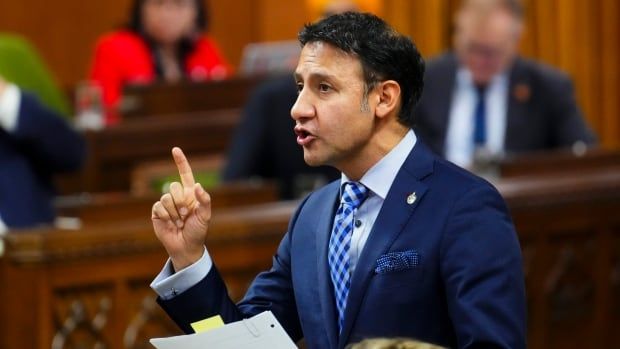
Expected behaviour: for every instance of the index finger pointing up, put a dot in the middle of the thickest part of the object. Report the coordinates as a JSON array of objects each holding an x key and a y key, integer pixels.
[{"x": 185, "y": 171}]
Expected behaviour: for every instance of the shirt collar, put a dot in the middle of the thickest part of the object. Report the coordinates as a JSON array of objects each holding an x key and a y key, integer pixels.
[
  {"x": 379, "y": 177},
  {"x": 464, "y": 79}
]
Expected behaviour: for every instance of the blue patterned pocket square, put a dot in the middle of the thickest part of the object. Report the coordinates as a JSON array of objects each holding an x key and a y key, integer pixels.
[{"x": 397, "y": 261}]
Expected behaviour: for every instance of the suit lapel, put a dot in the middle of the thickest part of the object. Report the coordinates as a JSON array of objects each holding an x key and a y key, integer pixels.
[
  {"x": 326, "y": 293},
  {"x": 445, "y": 89},
  {"x": 518, "y": 96},
  {"x": 392, "y": 218}
]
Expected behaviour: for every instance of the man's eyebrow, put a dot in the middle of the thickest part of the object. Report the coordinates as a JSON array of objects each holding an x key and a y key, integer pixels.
[{"x": 315, "y": 75}]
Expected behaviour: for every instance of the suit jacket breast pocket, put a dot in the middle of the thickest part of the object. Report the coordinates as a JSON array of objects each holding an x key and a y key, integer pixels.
[{"x": 401, "y": 269}]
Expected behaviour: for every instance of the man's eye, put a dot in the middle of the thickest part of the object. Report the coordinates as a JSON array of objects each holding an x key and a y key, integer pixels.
[
  {"x": 324, "y": 88},
  {"x": 300, "y": 87}
]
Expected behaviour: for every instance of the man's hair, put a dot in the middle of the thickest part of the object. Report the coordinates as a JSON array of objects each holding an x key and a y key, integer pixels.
[
  {"x": 384, "y": 54},
  {"x": 514, "y": 7}
]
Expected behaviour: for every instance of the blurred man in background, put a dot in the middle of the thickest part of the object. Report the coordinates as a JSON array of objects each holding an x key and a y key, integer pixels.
[{"x": 483, "y": 101}]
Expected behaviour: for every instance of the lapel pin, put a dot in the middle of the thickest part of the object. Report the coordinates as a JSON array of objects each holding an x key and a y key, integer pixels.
[
  {"x": 522, "y": 92},
  {"x": 411, "y": 198}
]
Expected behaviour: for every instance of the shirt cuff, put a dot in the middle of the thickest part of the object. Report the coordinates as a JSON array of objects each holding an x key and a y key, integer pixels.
[
  {"x": 9, "y": 107},
  {"x": 169, "y": 284}
]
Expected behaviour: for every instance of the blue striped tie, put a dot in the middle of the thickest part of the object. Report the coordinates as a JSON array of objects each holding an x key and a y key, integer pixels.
[{"x": 353, "y": 194}]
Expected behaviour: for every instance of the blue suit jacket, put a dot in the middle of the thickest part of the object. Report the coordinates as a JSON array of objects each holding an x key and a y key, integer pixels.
[
  {"x": 43, "y": 144},
  {"x": 466, "y": 291}
]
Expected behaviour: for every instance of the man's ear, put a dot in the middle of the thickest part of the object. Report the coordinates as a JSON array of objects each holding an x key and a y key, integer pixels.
[{"x": 389, "y": 98}]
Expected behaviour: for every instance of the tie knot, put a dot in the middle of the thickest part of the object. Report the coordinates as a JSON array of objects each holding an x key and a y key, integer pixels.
[{"x": 353, "y": 194}]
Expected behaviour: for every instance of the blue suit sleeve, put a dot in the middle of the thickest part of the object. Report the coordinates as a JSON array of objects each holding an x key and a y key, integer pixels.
[
  {"x": 47, "y": 138},
  {"x": 482, "y": 271}
]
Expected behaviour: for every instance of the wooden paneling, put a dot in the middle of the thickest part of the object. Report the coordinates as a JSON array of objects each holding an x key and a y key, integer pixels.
[
  {"x": 63, "y": 31},
  {"x": 424, "y": 21},
  {"x": 233, "y": 24},
  {"x": 280, "y": 20},
  {"x": 609, "y": 59}
]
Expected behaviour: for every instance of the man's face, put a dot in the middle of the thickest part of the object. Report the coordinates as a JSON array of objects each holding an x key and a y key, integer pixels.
[
  {"x": 486, "y": 44},
  {"x": 333, "y": 118}
]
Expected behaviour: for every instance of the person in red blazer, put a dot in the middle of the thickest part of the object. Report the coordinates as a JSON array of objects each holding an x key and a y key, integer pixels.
[{"x": 164, "y": 41}]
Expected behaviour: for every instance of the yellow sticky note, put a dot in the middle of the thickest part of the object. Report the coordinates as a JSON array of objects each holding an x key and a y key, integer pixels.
[{"x": 208, "y": 324}]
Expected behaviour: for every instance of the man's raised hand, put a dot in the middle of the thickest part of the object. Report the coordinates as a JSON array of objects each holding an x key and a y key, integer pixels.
[{"x": 181, "y": 217}]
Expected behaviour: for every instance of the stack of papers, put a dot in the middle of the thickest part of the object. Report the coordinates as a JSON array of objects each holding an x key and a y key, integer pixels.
[{"x": 262, "y": 331}]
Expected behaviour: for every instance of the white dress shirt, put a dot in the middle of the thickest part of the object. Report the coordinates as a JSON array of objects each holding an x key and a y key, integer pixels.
[
  {"x": 378, "y": 179},
  {"x": 3, "y": 231},
  {"x": 3, "y": 228},
  {"x": 9, "y": 111},
  {"x": 9, "y": 107},
  {"x": 459, "y": 138}
]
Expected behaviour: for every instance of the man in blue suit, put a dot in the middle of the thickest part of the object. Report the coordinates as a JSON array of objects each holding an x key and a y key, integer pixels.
[
  {"x": 404, "y": 245},
  {"x": 35, "y": 144}
]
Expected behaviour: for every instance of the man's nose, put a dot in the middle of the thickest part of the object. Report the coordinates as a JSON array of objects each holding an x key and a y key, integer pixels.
[{"x": 302, "y": 107}]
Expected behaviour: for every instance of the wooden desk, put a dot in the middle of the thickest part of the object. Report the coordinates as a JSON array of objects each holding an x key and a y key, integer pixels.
[
  {"x": 558, "y": 161},
  {"x": 185, "y": 97},
  {"x": 115, "y": 151},
  {"x": 569, "y": 228},
  {"x": 95, "y": 209}
]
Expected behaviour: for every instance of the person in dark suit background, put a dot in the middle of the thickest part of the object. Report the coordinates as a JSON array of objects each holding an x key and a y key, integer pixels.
[
  {"x": 405, "y": 244},
  {"x": 482, "y": 101},
  {"x": 35, "y": 143}
]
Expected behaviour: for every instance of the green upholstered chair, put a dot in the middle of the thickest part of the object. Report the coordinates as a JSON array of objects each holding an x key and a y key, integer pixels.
[{"x": 22, "y": 65}]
